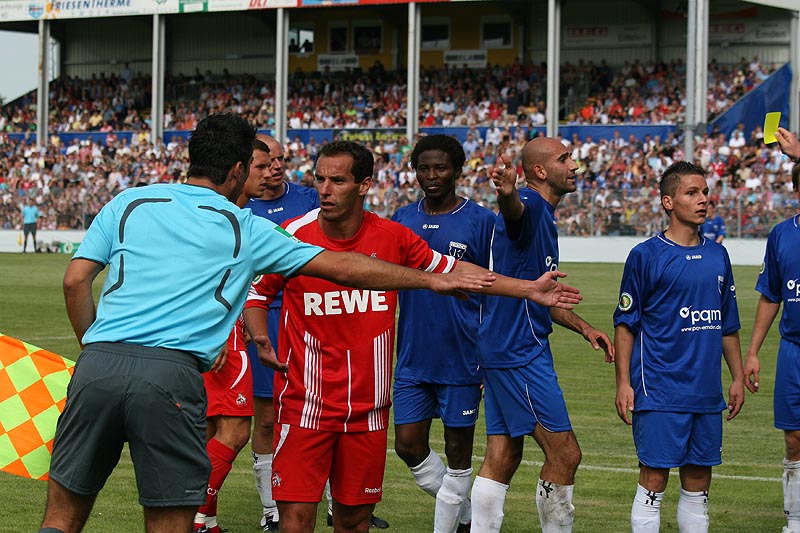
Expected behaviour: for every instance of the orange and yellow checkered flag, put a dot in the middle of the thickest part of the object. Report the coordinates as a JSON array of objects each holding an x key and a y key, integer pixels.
[{"x": 33, "y": 390}]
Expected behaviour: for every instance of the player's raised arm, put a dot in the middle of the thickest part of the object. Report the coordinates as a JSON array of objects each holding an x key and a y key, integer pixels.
[
  {"x": 363, "y": 272},
  {"x": 545, "y": 291},
  {"x": 504, "y": 177},
  {"x": 789, "y": 143}
]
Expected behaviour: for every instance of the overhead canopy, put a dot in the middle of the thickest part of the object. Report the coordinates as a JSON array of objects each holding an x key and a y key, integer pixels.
[{"x": 794, "y": 5}]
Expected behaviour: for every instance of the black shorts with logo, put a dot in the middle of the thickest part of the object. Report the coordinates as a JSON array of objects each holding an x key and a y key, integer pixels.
[{"x": 152, "y": 398}]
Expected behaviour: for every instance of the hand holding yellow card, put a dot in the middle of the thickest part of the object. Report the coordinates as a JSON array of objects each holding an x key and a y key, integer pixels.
[{"x": 771, "y": 123}]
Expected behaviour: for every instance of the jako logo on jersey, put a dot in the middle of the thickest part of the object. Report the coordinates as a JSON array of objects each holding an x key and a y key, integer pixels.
[
  {"x": 468, "y": 412},
  {"x": 370, "y": 490},
  {"x": 625, "y": 301},
  {"x": 792, "y": 285},
  {"x": 696, "y": 256},
  {"x": 550, "y": 262},
  {"x": 349, "y": 302},
  {"x": 430, "y": 226},
  {"x": 701, "y": 315},
  {"x": 457, "y": 249},
  {"x": 276, "y": 210}
]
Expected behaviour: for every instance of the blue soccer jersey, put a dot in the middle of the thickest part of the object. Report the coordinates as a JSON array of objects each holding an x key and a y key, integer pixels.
[
  {"x": 295, "y": 201},
  {"x": 678, "y": 302},
  {"x": 181, "y": 259},
  {"x": 437, "y": 335},
  {"x": 713, "y": 228},
  {"x": 514, "y": 331},
  {"x": 779, "y": 280}
]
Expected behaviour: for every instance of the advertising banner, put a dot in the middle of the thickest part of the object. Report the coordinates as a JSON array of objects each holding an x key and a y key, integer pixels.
[
  {"x": 466, "y": 58},
  {"x": 607, "y": 36},
  {"x": 749, "y": 31},
  {"x": 336, "y": 62}
]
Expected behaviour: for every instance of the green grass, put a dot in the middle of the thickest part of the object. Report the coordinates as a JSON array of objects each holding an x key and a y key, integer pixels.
[{"x": 745, "y": 496}]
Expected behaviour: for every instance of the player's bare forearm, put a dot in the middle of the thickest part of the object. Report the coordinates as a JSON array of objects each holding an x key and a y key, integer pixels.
[
  {"x": 78, "y": 279},
  {"x": 545, "y": 291},
  {"x": 732, "y": 352},
  {"x": 364, "y": 272},
  {"x": 597, "y": 338},
  {"x": 255, "y": 320},
  {"x": 766, "y": 311},
  {"x": 623, "y": 344}
]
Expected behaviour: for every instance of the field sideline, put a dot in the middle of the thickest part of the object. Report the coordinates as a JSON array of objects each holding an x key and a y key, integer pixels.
[{"x": 745, "y": 495}]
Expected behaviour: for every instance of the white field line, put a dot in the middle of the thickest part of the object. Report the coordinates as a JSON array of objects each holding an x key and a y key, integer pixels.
[{"x": 673, "y": 472}]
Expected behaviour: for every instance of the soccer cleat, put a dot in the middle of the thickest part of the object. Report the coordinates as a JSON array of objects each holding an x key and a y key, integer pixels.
[
  {"x": 464, "y": 528},
  {"x": 786, "y": 529},
  {"x": 270, "y": 524},
  {"x": 206, "y": 529},
  {"x": 329, "y": 521},
  {"x": 378, "y": 522}
]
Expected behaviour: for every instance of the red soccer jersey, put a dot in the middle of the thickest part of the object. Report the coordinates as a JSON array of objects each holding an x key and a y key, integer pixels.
[{"x": 337, "y": 341}]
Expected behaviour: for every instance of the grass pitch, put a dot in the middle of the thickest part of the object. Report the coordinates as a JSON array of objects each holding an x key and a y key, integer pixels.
[{"x": 745, "y": 494}]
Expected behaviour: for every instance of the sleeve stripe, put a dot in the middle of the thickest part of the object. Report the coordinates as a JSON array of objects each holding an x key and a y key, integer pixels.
[
  {"x": 451, "y": 263},
  {"x": 435, "y": 260}
]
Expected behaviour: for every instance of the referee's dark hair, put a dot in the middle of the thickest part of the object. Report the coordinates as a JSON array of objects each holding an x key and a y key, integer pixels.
[
  {"x": 796, "y": 177},
  {"x": 217, "y": 144},
  {"x": 444, "y": 143}
]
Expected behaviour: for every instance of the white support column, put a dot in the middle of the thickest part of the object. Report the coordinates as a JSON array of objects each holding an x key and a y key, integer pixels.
[
  {"x": 701, "y": 67},
  {"x": 412, "y": 103},
  {"x": 691, "y": 79},
  {"x": 281, "y": 73},
  {"x": 794, "y": 91},
  {"x": 43, "y": 87},
  {"x": 157, "y": 98},
  {"x": 553, "y": 59}
]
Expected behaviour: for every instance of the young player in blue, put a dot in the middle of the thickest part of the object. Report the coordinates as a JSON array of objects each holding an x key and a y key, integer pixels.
[
  {"x": 779, "y": 282},
  {"x": 280, "y": 202},
  {"x": 522, "y": 395},
  {"x": 677, "y": 315},
  {"x": 437, "y": 375},
  {"x": 713, "y": 228}
]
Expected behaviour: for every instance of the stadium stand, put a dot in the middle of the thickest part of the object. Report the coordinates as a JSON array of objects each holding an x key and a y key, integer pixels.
[
  {"x": 617, "y": 184},
  {"x": 635, "y": 93}
]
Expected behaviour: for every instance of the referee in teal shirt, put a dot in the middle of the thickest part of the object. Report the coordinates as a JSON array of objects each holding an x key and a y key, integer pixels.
[{"x": 30, "y": 218}]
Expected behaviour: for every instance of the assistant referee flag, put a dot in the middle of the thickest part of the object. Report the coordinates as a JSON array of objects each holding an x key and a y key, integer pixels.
[{"x": 33, "y": 390}]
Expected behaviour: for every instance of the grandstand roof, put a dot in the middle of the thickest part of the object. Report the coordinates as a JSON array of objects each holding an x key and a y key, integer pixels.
[{"x": 785, "y": 4}]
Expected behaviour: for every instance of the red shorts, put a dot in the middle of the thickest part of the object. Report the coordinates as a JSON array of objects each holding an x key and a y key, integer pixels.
[
  {"x": 305, "y": 458},
  {"x": 230, "y": 391}
]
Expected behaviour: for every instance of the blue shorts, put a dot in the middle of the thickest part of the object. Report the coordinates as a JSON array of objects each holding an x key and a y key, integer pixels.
[
  {"x": 786, "y": 400},
  {"x": 668, "y": 440},
  {"x": 264, "y": 376},
  {"x": 516, "y": 399},
  {"x": 456, "y": 405}
]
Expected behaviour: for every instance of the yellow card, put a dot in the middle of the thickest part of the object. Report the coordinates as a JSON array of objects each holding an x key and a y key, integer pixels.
[{"x": 771, "y": 122}]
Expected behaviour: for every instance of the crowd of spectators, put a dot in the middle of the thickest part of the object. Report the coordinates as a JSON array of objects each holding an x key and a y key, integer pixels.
[
  {"x": 617, "y": 179},
  {"x": 634, "y": 93}
]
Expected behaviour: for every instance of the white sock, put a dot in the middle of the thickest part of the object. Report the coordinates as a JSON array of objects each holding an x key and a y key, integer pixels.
[
  {"x": 693, "y": 511},
  {"x": 262, "y": 472},
  {"x": 488, "y": 498},
  {"x": 791, "y": 493},
  {"x": 199, "y": 518},
  {"x": 429, "y": 473},
  {"x": 328, "y": 495},
  {"x": 465, "y": 515},
  {"x": 554, "y": 503},
  {"x": 450, "y": 500},
  {"x": 646, "y": 511},
  {"x": 211, "y": 521}
]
